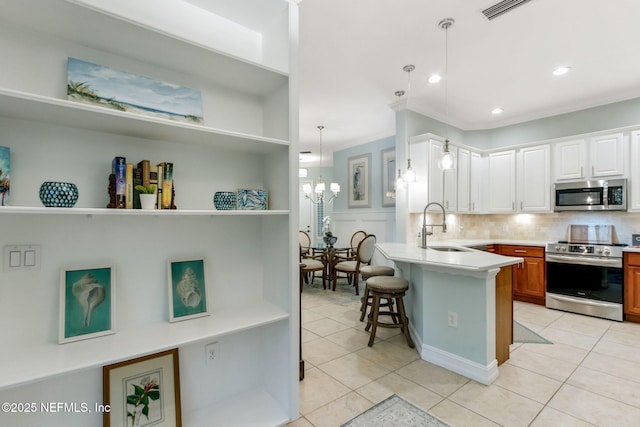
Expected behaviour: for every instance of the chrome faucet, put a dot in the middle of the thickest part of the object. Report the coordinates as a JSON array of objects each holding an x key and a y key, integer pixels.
[{"x": 425, "y": 225}]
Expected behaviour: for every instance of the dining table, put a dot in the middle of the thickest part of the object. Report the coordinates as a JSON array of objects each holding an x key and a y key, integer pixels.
[{"x": 330, "y": 253}]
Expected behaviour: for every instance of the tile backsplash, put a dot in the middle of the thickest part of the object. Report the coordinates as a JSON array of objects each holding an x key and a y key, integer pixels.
[{"x": 547, "y": 227}]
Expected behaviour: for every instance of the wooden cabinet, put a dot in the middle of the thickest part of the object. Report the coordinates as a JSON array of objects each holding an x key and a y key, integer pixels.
[
  {"x": 534, "y": 179},
  {"x": 248, "y": 140},
  {"x": 529, "y": 283},
  {"x": 631, "y": 263},
  {"x": 504, "y": 313},
  {"x": 502, "y": 182}
]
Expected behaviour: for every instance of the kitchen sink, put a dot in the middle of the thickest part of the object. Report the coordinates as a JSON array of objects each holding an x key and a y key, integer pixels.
[{"x": 449, "y": 249}]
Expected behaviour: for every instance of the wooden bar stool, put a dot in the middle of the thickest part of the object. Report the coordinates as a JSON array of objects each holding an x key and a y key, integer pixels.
[
  {"x": 367, "y": 272},
  {"x": 391, "y": 288}
]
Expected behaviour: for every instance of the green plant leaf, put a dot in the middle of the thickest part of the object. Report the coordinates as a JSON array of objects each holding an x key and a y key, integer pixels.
[
  {"x": 132, "y": 399},
  {"x": 138, "y": 390},
  {"x": 153, "y": 394},
  {"x": 145, "y": 411}
]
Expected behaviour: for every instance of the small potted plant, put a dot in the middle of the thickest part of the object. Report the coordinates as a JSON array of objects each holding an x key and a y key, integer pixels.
[
  {"x": 147, "y": 196},
  {"x": 329, "y": 239}
]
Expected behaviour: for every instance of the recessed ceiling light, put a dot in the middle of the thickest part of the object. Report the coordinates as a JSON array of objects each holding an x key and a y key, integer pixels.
[
  {"x": 435, "y": 78},
  {"x": 561, "y": 71},
  {"x": 497, "y": 111}
]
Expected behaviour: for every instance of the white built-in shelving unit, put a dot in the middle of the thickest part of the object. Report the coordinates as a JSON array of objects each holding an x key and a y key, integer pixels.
[{"x": 241, "y": 55}]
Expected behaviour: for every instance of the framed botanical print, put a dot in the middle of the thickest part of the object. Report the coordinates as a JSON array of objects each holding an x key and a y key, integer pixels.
[
  {"x": 360, "y": 181},
  {"x": 87, "y": 303},
  {"x": 143, "y": 392},
  {"x": 187, "y": 289},
  {"x": 388, "y": 177}
]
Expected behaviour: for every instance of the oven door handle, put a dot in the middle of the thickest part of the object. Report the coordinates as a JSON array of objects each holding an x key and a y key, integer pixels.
[{"x": 601, "y": 262}]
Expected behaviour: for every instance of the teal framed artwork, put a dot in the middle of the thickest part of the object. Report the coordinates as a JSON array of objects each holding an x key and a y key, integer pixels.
[
  {"x": 187, "y": 289},
  {"x": 87, "y": 303}
]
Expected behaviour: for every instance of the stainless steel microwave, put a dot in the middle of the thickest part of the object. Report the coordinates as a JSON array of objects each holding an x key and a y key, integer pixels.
[{"x": 600, "y": 195}]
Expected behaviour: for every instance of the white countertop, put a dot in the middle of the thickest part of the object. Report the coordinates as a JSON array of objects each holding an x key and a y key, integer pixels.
[{"x": 467, "y": 259}]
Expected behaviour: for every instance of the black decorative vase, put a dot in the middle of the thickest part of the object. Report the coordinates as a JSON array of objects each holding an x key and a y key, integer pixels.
[
  {"x": 330, "y": 240},
  {"x": 58, "y": 194}
]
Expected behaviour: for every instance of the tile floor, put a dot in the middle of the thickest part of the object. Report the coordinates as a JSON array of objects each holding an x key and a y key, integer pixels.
[{"x": 589, "y": 376}]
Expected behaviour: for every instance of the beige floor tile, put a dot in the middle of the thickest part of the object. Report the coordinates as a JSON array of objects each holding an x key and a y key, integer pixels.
[
  {"x": 351, "y": 339},
  {"x": 339, "y": 411},
  {"x": 593, "y": 408},
  {"x": 549, "y": 417},
  {"x": 542, "y": 364},
  {"x": 558, "y": 351},
  {"x": 321, "y": 351},
  {"x": 351, "y": 319},
  {"x": 616, "y": 367},
  {"x": 310, "y": 316},
  {"x": 458, "y": 416},
  {"x": 628, "y": 327},
  {"x": 617, "y": 350},
  {"x": 317, "y": 389},
  {"x": 432, "y": 377},
  {"x": 622, "y": 337},
  {"x": 386, "y": 386},
  {"x": 617, "y": 388},
  {"x": 497, "y": 404},
  {"x": 309, "y": 336},
  {"x": 324, "y": 327},
  {"x": 300, "y": 422},
  {"x": 329, "y": 310},
  {"x": 310, "y": 301},
  {"x": 353, "y": 371},
  {"x": 585, "y": 325},
  {"x": 526, "y": 383},
  {"x": 391, "y": 356},
  {"x": 385, "y": 333},
  {"x": 537, "y": 315},
  {"x": 563, "y": 336}
]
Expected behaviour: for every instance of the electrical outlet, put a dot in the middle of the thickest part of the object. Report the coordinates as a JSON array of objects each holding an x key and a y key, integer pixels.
[
  {"x": 452, "y": 319},
  {"x": 212, "y": 352}
]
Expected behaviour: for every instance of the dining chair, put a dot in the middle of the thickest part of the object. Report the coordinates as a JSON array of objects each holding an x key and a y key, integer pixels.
[
  {"x": 310, "y": 264},
  {"x": 351, "y": 265},
  {"x": 356, "y": 238}
]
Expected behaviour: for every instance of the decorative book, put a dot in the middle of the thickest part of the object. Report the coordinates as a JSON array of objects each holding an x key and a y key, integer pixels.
[{"x": 5, "y": 176}]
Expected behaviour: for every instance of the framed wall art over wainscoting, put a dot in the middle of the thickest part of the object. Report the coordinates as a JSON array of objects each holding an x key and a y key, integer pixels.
[
  {"x": 360, "y": 181},
  {"x": 388, "y": 177}
]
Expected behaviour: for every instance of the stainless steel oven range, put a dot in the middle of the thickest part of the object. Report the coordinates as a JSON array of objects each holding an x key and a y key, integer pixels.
[{"x": 585, "y": 277}]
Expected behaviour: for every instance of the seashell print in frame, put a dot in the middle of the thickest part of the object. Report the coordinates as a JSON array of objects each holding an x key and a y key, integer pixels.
[
  {"x": 187, "y": 289},
  {"x": 87, "y": 303}
]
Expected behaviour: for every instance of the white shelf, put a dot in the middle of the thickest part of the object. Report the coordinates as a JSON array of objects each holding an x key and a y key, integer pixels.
[
  {"x": 27, "y": 106},
  {"x": 23, "y": 365},
  {"x": 34, "y": 210},
  {"x": 256, "y": 408}
]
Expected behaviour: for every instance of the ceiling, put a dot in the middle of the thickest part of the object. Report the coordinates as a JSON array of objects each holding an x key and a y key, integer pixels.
[{"x": 352, "y": 53}]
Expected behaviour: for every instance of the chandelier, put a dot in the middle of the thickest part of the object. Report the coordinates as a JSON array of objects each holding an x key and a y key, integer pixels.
[{"x": 320, "y": 184}]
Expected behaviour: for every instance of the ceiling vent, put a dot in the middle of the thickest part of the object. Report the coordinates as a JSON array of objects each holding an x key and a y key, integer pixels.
[{"x": 502, "y": 7}]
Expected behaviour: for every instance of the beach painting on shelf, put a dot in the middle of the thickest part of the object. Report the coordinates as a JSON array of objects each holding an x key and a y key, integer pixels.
[
  {"x": 87, "y": 303},
  {"x": 5, "y": 176},
  {"x": 253, "y": 200},
  {"x": 106, "y": 87}
]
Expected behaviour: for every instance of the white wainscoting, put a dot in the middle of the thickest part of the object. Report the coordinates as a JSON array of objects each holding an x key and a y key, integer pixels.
[{"x": 382, "y": 224}]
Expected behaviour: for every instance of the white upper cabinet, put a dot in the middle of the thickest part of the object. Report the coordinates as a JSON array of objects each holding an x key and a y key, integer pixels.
[
  {"x": 470, "y": 179},
  {"x": 419, "y": 190},
  {"x": 570, "y": 159},
  {"x": 634, "y": 184},
  {"x": 607, "y": 155},
  {"x": 600, "y": 156},
  {"x": 534, "y": 179},
  {"x": 476, "y": 184},
  {"x": 502, "y": 182},
  {"x": 443, "y": 185}
]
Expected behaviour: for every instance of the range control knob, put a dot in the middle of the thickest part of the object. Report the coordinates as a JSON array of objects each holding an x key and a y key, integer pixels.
[{"x": 606, "y": 251}]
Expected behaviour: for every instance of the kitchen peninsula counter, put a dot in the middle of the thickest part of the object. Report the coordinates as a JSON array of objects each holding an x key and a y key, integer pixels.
[{"x": 459, "y": 305}]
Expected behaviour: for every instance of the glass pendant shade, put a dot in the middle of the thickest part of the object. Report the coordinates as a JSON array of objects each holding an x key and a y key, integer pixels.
[
  {"x": 335, "y": 187},
  {"x": 320, "y": 187},
  {"x": 448, "y": 161},
  {"x": 306, "y": 188}
]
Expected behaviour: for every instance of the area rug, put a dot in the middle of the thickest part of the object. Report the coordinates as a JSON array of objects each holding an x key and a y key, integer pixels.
[
  {"x": 395, "y": 412},
  {"x": 523, "y": 334}
]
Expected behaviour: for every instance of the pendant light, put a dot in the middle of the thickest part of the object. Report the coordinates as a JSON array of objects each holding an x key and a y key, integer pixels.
[
  {"x": 320, "y": 185},
  {"x": 448, "y": 160},
  {"x": 409, "y": 174}
]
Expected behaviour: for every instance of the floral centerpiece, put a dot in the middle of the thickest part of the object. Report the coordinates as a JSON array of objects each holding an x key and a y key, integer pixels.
[{"x": 329, "y": 239}]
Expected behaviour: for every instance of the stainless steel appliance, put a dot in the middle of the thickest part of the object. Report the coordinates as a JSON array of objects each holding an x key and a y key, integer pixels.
[
  {"x": 601, "y": 195},
  {"x": 584, "y": 274}
]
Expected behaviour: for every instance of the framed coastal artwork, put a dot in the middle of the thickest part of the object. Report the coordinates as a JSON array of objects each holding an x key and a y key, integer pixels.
[
  {"x": 5, "y": 175},
  {"x": 94, "y": 84},
  {"x": 87, "y": 303},
  {"x": 255, "y": 200},
  {"x": 388, "y": 177},
  {"x": 143, "y": 392},
  {"x": 360, "y": 181},
  {"x": 187, "y": 289}
]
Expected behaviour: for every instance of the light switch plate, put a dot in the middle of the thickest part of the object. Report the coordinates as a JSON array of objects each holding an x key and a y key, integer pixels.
[{"x": 21, "y": 258}]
